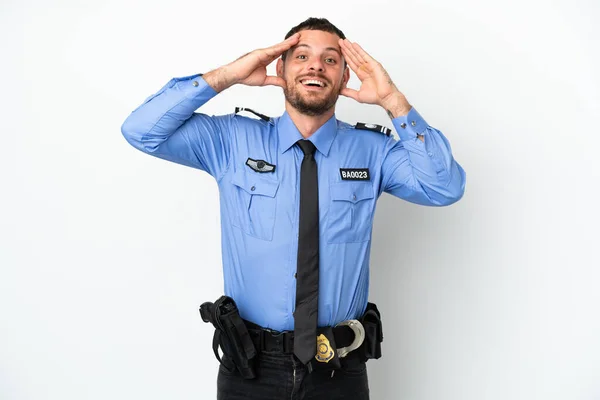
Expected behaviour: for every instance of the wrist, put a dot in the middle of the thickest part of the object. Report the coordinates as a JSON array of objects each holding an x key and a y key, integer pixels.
[
  {"x": 220, "y": 79},
  {"x": 396, "y": 105}
]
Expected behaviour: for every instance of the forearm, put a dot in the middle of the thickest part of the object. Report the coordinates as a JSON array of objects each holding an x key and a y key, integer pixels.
[
  {"x": 422, "y": 171},
  {"x": 164, "y": 112}
]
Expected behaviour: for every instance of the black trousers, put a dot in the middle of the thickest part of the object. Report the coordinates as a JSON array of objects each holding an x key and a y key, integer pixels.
[{"x": 282, "y": 376}]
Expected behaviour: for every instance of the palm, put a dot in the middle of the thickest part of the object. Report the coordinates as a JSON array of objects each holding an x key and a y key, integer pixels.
[
  {"x": 252, "y": 67},
  {"x": 257, "y": 77},
  {"x": 376, "y": 84},
  {"x": 368, "y": 91}
]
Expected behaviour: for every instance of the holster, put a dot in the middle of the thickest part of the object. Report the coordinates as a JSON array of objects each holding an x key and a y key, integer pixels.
[{"x": 231, "y": 335}]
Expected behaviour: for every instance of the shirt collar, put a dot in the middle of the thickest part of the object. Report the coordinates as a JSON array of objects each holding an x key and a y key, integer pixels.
[{"x": 289, "y": 134}]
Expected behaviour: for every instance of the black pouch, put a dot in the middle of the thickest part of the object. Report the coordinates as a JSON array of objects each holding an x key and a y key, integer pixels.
[
  {"x": 231, "y": 335},
  {"x": 371, "y": 321}
]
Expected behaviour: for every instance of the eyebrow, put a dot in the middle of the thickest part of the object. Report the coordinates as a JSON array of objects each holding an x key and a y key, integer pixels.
[{"x": 327, "y": 48}]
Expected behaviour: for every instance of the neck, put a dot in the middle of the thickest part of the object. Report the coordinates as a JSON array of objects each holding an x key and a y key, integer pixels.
[{"x": 308, "y": 124}]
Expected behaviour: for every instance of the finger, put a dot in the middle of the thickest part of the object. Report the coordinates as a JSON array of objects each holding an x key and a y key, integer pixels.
[
  {"x": 363, "y": 54},
  {"x": 354, "y": 49},
  {"x": 357, "y": 53},
  {"x": 286, "y": 42},
  {"x": 274, "y": 81},
  {"x": 350, "y": 62},
  {"x": 350, "y": 58},
  {"x": 350, "y": 50},
  {"x": 280, "y": 48},
  {"x": 358, "y": 70},
  {"x": 353, "y": 94}
]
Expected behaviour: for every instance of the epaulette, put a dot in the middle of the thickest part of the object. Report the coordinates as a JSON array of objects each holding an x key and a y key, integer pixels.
[
  {"x": 374, "y": 128},
  {"x": 261, "y": 116}
]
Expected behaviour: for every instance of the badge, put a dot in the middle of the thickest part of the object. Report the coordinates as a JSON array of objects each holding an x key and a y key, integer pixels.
[
  {"x": 324, "y": 351},
  {"x": 260, "y": 165},
  {"x": 355, "y": 174}
]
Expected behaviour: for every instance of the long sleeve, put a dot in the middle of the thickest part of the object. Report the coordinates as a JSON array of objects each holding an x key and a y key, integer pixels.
[
  {"x": 166, "y": 126},
  {"x": 421, "y": 172}
]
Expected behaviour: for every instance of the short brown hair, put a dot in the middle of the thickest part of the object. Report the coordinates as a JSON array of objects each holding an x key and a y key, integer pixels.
[{"x": 315, "y": 24}]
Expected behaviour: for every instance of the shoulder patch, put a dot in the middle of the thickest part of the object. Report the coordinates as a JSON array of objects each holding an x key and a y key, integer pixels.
[
  {"x": 374, "y": 128},
  {"x": 261, "y": 116}
]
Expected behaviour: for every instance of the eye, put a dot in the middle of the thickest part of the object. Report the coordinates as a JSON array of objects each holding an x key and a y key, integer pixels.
[
  {"x": 330, "y": 60},
  {"x": 301, "y": 55}
]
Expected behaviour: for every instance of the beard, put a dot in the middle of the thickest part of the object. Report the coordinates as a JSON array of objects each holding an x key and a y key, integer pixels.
[{"x": 311, "y": 103}]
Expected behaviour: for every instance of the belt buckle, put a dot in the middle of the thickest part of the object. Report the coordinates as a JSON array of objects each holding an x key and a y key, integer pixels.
[
  {"x": 359, "y": 337},
  {"x": 279, "y": 337}
]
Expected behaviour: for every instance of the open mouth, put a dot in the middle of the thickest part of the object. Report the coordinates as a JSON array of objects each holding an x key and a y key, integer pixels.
[{"x": 313, "y": 84}]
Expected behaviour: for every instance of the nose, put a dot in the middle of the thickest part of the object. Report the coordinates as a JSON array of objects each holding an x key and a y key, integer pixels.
[{"x": 316, "y": 65}]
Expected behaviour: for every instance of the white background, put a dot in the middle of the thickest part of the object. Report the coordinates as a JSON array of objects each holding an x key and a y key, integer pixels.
[{"x": 106, "y": 252}]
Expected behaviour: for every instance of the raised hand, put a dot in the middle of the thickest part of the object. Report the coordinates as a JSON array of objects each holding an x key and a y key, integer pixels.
[
  {"x": 376, "y": 85},
  {"x": 251, "y": 68}
]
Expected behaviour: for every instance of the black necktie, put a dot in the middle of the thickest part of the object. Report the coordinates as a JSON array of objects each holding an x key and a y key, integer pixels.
[{"x": 307, "y": 276}]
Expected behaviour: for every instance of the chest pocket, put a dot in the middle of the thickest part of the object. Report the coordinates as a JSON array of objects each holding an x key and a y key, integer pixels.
[
  {"x": 255, "y": 203},
  {"x": 350, "y": 212}
]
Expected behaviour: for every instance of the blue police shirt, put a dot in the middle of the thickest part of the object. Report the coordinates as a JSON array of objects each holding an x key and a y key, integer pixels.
[{"x": 257, "y": 168}]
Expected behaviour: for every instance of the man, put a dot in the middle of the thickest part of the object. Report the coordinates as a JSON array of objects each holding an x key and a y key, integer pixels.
[{"x": 297, "y": 196}]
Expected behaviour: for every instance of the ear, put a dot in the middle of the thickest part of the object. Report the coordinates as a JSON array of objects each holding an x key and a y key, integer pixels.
[
  {"x": 346, "y": 77},
  {"x": 279, "y": 67}
]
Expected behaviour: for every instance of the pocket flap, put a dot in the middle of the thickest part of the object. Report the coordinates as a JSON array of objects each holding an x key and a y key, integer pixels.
[
  {"x": 253, "y": 183},
  {"x": 351, "y": 191}
]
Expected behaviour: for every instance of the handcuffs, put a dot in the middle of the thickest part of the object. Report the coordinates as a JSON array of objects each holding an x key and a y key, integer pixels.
[{"x": 359, "y": 337}]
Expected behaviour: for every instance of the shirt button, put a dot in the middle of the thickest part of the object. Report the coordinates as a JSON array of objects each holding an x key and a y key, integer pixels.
[
  {"x": 430, "y": 154},
  {"x": 195, "y": 83},
  {"x": 353, "y": 197},
  {"x": 403, "y": 125},
  {"x": 253, "y": 188},
  {"x": 413, "y": 123}
]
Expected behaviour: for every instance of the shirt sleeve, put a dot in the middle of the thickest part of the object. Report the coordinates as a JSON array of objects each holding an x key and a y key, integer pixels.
[
  {"x": 166, "y": 126},
  {"x": 421, "y": 172}
]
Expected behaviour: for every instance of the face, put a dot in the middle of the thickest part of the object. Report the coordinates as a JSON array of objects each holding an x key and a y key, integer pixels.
[{"x": 314, "y": 72}]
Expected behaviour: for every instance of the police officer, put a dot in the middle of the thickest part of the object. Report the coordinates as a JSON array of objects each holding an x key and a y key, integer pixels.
[{"x": 297, "y": 197}]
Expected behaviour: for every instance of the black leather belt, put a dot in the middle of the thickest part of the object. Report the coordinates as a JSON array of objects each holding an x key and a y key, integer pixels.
[{"x": 268, "y": 340}]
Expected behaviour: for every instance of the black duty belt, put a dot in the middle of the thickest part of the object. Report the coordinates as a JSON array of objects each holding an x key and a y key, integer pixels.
[
  {"x": 267, "y": 340},
  {"x": 241, "y": 340}
]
